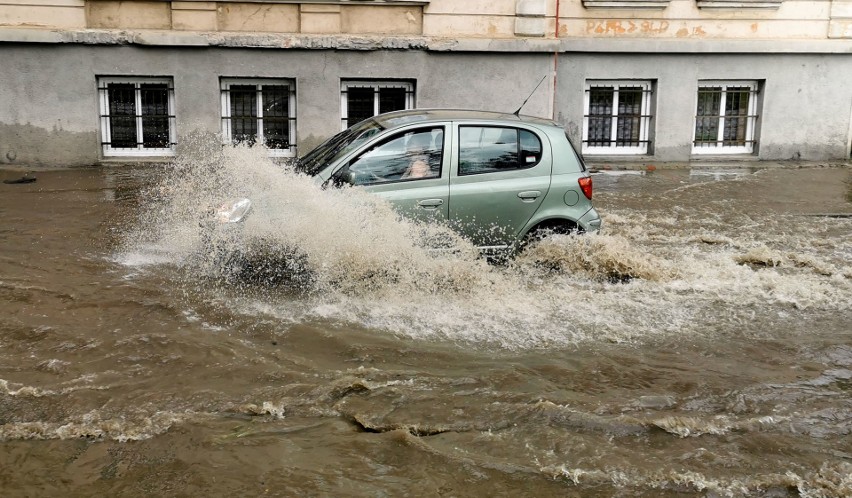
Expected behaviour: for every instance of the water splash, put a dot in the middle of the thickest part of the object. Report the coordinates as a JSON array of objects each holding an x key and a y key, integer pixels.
[
  {"x": 351, "y": 258},
  {"x": 596, "y": 256}
]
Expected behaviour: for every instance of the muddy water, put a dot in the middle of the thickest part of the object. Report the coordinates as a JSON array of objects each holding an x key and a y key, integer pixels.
[{"x": 700, "y": 346}]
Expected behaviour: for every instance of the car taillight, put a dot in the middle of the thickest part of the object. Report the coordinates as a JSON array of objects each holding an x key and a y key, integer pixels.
[{"x": 586, "y": 186}]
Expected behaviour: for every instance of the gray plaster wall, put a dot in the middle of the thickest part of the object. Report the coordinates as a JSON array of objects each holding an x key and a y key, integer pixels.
[
  {"x": 805, "y": 103},
  {"x": 49, "y": 107}
]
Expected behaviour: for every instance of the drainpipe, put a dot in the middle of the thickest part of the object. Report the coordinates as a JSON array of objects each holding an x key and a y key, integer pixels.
[
  {"x": 555, "y": 62},
  {"x": 531, "y": 20}
]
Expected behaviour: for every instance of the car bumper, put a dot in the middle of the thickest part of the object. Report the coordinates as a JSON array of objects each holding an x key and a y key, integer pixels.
[{"x": 591, "y": 221}]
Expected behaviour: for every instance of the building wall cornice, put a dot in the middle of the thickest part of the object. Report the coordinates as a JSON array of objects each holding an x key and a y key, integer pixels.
[{"x": 155, "y": 38}]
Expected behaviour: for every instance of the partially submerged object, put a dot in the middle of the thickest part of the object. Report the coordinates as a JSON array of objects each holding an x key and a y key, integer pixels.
[{"x": 27, "y": 178}]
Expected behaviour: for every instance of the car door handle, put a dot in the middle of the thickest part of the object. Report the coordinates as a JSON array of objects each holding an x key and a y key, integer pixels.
[
  {"x": 529, "y": 195},
  {"x": 430, "y": 203}
]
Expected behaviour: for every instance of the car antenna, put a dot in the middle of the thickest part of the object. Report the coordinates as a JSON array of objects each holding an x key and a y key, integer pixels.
[{"x": 518, "y": 112}]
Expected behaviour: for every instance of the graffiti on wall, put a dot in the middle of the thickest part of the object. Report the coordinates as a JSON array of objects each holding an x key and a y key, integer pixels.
[
  {"x": 652, "y": 28},
  {"x": 626, "y": 27}
]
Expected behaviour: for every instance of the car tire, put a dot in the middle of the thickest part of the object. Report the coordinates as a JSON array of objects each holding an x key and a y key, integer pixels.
[{"x": 544, "y": 231}]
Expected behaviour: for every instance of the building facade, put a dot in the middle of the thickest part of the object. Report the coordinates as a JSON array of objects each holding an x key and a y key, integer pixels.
[{"x": 98, "y": 81}]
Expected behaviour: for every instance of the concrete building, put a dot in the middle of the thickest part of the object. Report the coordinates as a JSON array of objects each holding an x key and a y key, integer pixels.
[{"x": 93, "y": 81}]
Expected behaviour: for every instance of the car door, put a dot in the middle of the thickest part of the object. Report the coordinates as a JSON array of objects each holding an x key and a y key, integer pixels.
[
  {"x": 408, "y": 168},
  {"x": 501, "y": 174}
]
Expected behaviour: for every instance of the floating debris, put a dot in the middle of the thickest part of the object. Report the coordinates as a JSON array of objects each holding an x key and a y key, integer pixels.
[{"x": 27, "y": 178}]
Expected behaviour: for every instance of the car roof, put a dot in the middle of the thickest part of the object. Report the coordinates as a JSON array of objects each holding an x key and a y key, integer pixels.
[{"x": 410, "y": 116}]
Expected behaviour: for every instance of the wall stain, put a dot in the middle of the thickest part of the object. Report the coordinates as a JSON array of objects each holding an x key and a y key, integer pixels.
[
  {"x": 696, "y": 32},
  {"x": 27, "y": 145}
]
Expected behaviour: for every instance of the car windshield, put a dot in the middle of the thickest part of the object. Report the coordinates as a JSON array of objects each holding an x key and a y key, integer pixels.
[{"x": 335, "y": 147}]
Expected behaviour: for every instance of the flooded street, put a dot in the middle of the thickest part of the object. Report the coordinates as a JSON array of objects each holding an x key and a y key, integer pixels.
[{"x": 701, "y": 345}]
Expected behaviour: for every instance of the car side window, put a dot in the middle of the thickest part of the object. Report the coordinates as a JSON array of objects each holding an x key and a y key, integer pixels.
[
  {"x": 489, "y": 149},
  {"x": 411, "y": 155}
]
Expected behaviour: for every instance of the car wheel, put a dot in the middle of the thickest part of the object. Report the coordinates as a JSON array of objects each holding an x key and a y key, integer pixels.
[{"x": 544, "y": 231}]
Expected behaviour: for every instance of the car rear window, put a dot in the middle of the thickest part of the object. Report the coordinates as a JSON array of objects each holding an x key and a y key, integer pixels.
[{"x": 489, "y": 149}]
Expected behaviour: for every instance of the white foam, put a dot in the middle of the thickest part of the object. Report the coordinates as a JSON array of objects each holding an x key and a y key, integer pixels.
[{"x": 644, "y": 276}]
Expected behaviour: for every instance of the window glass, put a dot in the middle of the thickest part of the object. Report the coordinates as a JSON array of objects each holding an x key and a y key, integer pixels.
[
  {"x": 136, "y": 116},
  {"x": 276, "y": 116},
  {"x": 617, "y": 117},
  {"x": 243, "y": 113},
  {"x": 391, "y": 99},
  {"x": 412, "y": 155},
  {"x": 707, "y": 120},
  {"x": 122, "y": 114},
  {"x": 359, "y": 102},
  {"x": 364, "y": 99},
  {"x": 736, "y": 116},
  {"x": 629, "y": 117},
  {"x": 530, "y": 148},
  {"x": 260, "y": 110},
  {"x": 155, "y": 114},
  {"x": 725, "y": 117},
  {"x": 336, "y": 147},
  {"x": 485, "y": 149},
  {"x": 600, "y": 116}
]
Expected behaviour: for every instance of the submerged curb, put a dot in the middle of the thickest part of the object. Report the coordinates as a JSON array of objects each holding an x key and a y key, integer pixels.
[{"x": 595, "y": 166}]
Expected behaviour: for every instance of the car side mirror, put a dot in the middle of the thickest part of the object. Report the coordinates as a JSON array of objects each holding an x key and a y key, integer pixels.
[{"x": 343, "y": 177}]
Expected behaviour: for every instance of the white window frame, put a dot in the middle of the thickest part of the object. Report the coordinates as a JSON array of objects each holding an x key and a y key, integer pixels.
[
  {"x": 408, "y": 86},
  {"x": 751, "y": 120},
  {"x": 644, "y": 122},
  {"x": 106, "y": 131},
  {"x": 227, "y": 133}
]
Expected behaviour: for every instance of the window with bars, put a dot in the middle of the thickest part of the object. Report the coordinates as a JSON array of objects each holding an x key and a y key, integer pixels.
[
  {"x": 617, "y": 117},
  {"x": 260, "y": 111},
  {"x": 725, "y": 117},
  {"x": 137, "y": 116},
  {"x": 360, "y": 100}
]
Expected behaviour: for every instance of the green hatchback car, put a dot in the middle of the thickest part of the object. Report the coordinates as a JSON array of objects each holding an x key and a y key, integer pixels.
[{"x": 498, "y": 179}]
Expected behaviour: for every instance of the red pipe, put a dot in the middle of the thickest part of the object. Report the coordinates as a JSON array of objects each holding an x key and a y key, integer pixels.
[
  {"x": 555, "y": 62},
  {"x": 556, "y": 34}
]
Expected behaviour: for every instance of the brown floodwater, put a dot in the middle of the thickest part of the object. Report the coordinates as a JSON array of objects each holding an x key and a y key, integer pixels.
[{"x": 701, "y": 345}]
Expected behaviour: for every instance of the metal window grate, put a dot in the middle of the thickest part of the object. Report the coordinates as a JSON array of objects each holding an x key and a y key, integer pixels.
[
  {"x": 618, "y": 116},
  {"x": 136, "y": 115},
  {"x": 363, "y": 99},
  {"x": 726, "y": 117},
  {"x": 260, "y": 111}
]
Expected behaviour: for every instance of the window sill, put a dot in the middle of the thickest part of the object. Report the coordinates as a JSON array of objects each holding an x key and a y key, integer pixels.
[
  {"x": 165, "y": 156},
  {"x": 131, "y": 160},
  {"x": 282, "y": 155},
  {"x": 593, "y": 161},
  {"x": 739, "y": 4},
  {"x": 614, "y": 154},
  {"x": 737, "y": 156},
  {"x": 719, "y": 152},
  {"x": 626, "y": 4}
]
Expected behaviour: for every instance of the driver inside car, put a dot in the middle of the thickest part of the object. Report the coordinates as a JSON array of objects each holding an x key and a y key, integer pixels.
[{"x": 418, "y": 153}]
